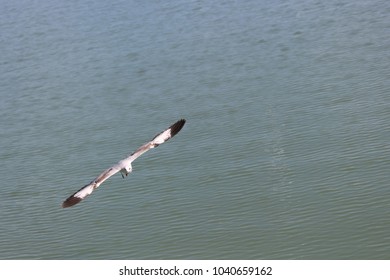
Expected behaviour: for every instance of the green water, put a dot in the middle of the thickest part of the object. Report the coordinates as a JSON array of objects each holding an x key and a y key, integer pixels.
[{"x": 286, "y": 150}]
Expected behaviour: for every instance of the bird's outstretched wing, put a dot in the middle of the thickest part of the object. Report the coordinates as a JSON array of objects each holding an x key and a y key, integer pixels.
[
  {"x": 157, "y": 140},
  {"x": 88, "y": 189}
]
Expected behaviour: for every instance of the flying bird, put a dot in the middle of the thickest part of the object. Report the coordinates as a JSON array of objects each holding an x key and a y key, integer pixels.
[{"x": 123, "y": 166}]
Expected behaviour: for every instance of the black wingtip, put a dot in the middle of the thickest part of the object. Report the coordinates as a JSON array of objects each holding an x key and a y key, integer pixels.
[
  {"x": 70, "y": 201},
  {"x": 177, "y": 126}
]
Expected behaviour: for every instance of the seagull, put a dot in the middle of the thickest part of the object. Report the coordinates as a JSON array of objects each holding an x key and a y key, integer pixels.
[{"x": 123, "y": 166}]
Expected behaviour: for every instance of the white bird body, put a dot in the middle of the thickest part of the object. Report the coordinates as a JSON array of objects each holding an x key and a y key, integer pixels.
[{"x": 123, "y": 166}]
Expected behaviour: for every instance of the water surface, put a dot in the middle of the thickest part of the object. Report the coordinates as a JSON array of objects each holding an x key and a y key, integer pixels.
[{"x": 285, "y": 154}]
